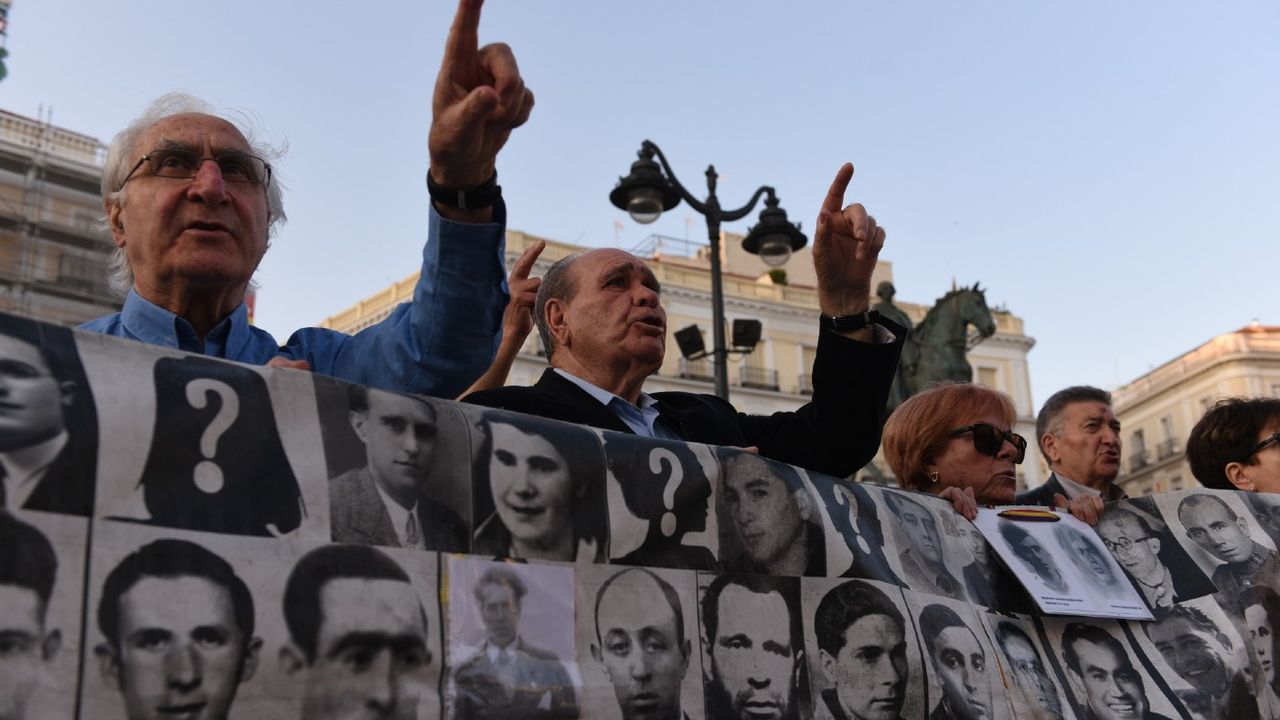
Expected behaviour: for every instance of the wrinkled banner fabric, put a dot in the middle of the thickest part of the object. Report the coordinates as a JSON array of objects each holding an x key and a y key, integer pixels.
[{"x": 191, "y": 538}]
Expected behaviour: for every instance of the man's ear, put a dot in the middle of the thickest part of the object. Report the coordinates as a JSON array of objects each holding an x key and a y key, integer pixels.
[
  {"x": 804, "y": 504},
  {"x": 595, "y": 653},
  {"x": 1049, "y": 446},
  {"x": 108, "y": 664},
  {"x": 114, "y": 223},
  {"x": 50, "y": 645},
  {"x": 1155, "y": 549},
  {"x": 686, "y": 650},
  {"x": 292, "y": 660},
  {"x": 1238, "y": 474},
  {"x": 555, "y": 310},
  {"x": 250, "y": 663},
  {"x": 357, "y": 420},
  {"x": 828, "y": 664}
]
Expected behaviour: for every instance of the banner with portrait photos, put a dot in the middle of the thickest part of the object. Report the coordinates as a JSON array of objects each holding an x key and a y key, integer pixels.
[{"x": 189, "y": 538}]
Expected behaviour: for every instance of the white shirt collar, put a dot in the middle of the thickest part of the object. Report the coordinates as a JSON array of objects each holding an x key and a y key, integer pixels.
[
  {"x": 399, "y": 516},
  {"x": 492, "y": 650},
  {"x": 24, "y": 467},
  {"x": 1073, "y": 489},
  {"x": 602, "y": 396}
]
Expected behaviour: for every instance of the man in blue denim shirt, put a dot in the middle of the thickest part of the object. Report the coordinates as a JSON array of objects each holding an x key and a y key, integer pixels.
[{"x": 190, "y": 233}]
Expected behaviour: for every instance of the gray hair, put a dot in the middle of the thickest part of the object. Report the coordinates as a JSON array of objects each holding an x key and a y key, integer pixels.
[
  {"x": 556, "y": 284},
  {"x": 122, "y": 154},
  {"x": 1049, "y": 421}
]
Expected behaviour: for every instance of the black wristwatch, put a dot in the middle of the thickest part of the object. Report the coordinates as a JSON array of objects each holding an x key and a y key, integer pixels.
[
  {"x": 479, "y": 197},
  {"x": 849, "y": 323}
]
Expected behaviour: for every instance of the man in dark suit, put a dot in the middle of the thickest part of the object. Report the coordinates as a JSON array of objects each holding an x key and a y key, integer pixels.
[
  {"x": 48, "y": 432},
  {"x": 1079, "y": 437},
  {"x": 384, "y": 502},
  {"x": 602, "y": 323}
]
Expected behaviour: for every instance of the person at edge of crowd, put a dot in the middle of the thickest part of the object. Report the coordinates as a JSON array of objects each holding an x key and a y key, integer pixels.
[
  {"x": 1220, "y": 532},
  {"x": 774, "y": 518},
  {"x": 1079, "y": 437},
  {"x": 601, "y": 321},
  {"x": 389, "y": 501},
  {"x": 923, "y": 561},
  {"x": 546, "y": 492},
  {"x": 178, "y": 624},
  {"x": 1141, "y": 543},
  {"x": 955, "y": 440},
  {"x": 1261, "y": 606},
  {"x": 1236, "y": 445},
  {"x": 1034, "y": 556},
  {"x": 642, "y": 644},
  {"x": 960, "y": 664},
  {"x": 357, "y": 635},
  {"x": 1028, "y": 668},
  {"x": 191, "y": 204},
  {"x": 862, "y": 650},
  {"x": 28, "y": 646},
  {"x": 755, "y": 663},
  {"x": 1101, "y": 671},
  {"x": 508, "y": 677},
  {"x": 1202, "y": 655}
]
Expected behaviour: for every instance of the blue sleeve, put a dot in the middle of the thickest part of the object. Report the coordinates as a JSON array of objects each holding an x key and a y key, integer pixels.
[{"x": 441, "y": 341}]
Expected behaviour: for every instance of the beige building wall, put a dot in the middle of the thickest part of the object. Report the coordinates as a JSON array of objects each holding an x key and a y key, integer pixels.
[
  {"x": 53, "y": 250},
  {"x": 1158, "y": 410},
  {"x": 775, "y": 377}
]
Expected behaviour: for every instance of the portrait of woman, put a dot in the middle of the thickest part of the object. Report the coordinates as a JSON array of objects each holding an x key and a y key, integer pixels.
[{"x": 539, "y": 485}]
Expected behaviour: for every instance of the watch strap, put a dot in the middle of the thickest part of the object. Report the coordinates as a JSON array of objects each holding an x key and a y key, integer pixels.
[
  {"x": 479, "y": 197},
  {"x": 849, "y": 323}
]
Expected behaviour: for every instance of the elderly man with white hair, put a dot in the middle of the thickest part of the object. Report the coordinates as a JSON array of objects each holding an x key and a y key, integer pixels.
[{"x": 191, "y": 202}]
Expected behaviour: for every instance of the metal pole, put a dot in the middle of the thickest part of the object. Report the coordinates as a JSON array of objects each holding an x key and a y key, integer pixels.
[{"x": 719, "y": 353}]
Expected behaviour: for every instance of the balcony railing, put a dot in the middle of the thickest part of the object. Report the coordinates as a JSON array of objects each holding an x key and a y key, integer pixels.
[
  {"x": 805, "y": 386},
  {"x": 697, "y": 370},
  {"x": 1167, "y": 449},
  {"x": 1139, "y": 460},
  {"x": 759, "y": 378}
]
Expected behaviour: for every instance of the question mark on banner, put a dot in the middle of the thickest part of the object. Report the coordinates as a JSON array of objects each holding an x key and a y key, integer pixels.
[
  {"x": 842, "y": 499},
  {"x": 656, "y": 456},
  {"x": 208, "y": 476}
]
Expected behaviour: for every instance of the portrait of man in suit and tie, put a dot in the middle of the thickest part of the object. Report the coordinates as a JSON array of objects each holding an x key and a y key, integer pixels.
[
  {"x": 48, "y": 427},
  {"x": 387, "y": 500}
]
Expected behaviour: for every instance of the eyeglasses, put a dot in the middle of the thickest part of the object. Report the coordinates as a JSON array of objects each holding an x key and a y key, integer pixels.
[
  {"x": 989, "y": 440},
  {"x": 1272, "y": 438},
  {"x": 1125, "y": 544},
  {"x": 180, "y": 163}
]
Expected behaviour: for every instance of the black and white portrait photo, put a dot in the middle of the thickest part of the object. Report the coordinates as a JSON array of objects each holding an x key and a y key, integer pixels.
[
  {"x": 41, "y": 577},
  {"x": 770, "y": 521},
  {"x": 863, "y": 651},
  {"x": 855, "y": 521},
  {"x": 399, "y": 468},
  {"x": 539, "y": 490},
  {"x": 48, "y": 425},
  {"x": 1261, "y": 611},
  {"x": 1105, "y": 681},
  {"x": 965, "y": 680},
  {"x": 1266, "y": 510},
  {"x": 1220, "y": 532},
  {"x": 1033, "y": 556},
  {"x": 753, "y": 661},
  {"x": 178, "y": 632},
  {"x": 921, "y": 552},
  {"x": 1086, "y": 552},
  {"x": 666, "y": 496},
  {"x": 1028, "y": 667},
  {"x": 511, "y": 641},
  {"x": 638, "y": 644},
  {"x": 362, "y": 643},
  {"x": 1200, "y": 646},
  {"x": 1139, "y": 539}
]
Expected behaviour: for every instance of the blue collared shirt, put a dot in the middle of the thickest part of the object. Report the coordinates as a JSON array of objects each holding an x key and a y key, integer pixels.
[
  {"x": 437, "y": 344},
  {"x": 642, "y": 418}
]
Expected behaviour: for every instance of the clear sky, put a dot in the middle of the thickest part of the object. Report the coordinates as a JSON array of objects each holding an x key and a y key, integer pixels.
[{"x": 1110, "y": 171}]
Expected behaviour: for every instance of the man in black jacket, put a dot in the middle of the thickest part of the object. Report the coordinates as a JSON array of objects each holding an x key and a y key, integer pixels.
[{"x": 601, "y": 320}]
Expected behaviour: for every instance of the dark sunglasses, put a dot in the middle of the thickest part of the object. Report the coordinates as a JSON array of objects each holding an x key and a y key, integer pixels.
[{"x": 989, "y": 440}]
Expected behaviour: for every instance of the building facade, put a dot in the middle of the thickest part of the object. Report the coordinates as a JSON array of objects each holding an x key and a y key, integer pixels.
[
  {"x": 53, "y": 249},
  {"x": 1158, "y": 410},
  {"x": 775, "y": 376}
]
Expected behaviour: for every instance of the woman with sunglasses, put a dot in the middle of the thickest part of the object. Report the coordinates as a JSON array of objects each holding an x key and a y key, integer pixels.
[{"x": 955, "y": 440}]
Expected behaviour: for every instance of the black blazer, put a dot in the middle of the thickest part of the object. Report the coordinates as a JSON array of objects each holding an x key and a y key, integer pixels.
[
  {"x": 1043, "y": 495},
  {"x": 67, "y": 485},
  {"x": 837, "y": 432}
]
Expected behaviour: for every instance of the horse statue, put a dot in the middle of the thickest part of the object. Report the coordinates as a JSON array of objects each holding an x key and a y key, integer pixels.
[{"x": 935, "y": 349}]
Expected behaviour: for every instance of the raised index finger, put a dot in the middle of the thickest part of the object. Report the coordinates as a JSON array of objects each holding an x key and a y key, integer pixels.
[
  {"x": 464, "y": 34},
  {"x": 834, "y": 201},
  {"x": 527, "y": 258}
]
